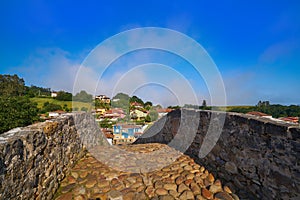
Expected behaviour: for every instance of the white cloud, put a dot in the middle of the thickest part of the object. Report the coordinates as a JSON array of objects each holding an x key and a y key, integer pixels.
[
  {"x": 50, "y": 67},
  {"x": 152, "y": 81},
  {"x": 53, "y": 67},
  {"x": 86, "y": 79}
]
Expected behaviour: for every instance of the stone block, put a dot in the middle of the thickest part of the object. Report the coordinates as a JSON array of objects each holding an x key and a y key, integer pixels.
[
  {"x": 295, "y": 132},
  {"x": 276, "y": 130},
  {"x": 231, "y": 168},
  {"x": 30, "y": 156}
]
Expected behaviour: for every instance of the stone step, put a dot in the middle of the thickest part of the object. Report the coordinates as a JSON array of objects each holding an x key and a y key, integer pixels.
[{"x": 141, "y": 171}]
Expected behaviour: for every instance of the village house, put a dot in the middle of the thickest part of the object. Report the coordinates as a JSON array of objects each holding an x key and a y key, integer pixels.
[
  {"x": 108, "y": 134},
  {"x": 163, "y": 111},
  {"x": 112, "y": 114},
  {"x": 100, "y": 111},
  {"x": 103, "y": 99},
  {"x": 294, "y": 120},
  {"x": 56, "y": 113},
  {"x": 128, "y": 129},
  {"x": 53, "y": 94},
  {"x": 119, "y": 139},
  {"x": 260, "y": 114},
  {"x": 125, "y": 133},
  {"x": 137, "y": 114},
  {"x": 119, "y": 111},
  {"x": 136, "y": 105}
]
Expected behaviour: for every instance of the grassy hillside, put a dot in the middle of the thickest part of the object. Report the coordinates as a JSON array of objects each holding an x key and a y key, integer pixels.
[{"x": 41, "y": 101}]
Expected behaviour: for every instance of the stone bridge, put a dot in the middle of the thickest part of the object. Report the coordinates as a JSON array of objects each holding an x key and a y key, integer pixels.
[{"x": 68, "y": 158}]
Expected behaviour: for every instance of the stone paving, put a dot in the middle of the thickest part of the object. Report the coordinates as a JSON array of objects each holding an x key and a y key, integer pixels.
[{"x": 116, "y": 177}]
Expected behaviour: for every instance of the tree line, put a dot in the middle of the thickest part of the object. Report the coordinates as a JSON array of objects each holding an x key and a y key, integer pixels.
[
  {"x": 275, "y": 110},
  {"x": 16, "y": 108}
]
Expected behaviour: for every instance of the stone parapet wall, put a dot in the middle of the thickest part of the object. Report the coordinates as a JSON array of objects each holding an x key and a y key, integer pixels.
[
  {"x": 256, "y": 156},
  {"x": 34, "y": 159}
]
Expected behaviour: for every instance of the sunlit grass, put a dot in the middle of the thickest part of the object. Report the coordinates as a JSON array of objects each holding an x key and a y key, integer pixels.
[{"x": 40, "y": 102}]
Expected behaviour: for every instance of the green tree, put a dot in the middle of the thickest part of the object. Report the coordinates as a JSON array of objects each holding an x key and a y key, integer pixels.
[
  {"x": 147, "y": 118},
  {"x": 191, "y": 106},
  {"x": 157, "y": 106},
  {"x": 147, "y": 107},
  {"x": 122, "y": 96},
  {"x": 34, "y": 91},
  {"x": 64, "y": 96},
  {"x": 148, "y": 103},
  {"x": 174, "y": 107},
  {"x": 153, "y": 114},
  {"x": 275, "y": 110},
  {"x": 204, "y": 104},
  {"x": 136, "y": 99},
  {"x": 65, "y": 107},
  {"x": 83, "y": 96},
  {"x": 99, "y": 104},
  {"x": 106, "y": 123},
  {"x": 11, "y": 85},
  {"x": 16, "y": 112},
  {"x": 84, "y": 109},
  {"x": 48, "y": 107},
  {"x": 121, "y": 100}
]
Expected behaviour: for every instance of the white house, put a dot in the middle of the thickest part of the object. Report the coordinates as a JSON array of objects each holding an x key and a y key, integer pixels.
[
  {"x": 103, "y": 98},
  {"x": 53, "y": 94},
  {"x": 56, "y": 113}
]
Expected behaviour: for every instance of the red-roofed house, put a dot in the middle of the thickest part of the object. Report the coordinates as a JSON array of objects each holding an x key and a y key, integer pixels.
[
  {"x": 290, "y": 119},
  {"x": 163, "y": 111},
  {"x": 138, "y": 114},
  {"x": 136, "y": 105},
  {"x": 103, "y": 98},
  {"x": 259, "y": 114}
]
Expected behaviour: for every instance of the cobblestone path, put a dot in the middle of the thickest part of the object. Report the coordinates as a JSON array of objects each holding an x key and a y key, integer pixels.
[{"x": 165, "y": 175}]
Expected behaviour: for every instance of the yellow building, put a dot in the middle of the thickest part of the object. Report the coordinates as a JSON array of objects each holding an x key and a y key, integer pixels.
[
  {"x": 120, "y": 139},
  {"x": 100, "y": 111},
  {"x": 138, "y": 114}
]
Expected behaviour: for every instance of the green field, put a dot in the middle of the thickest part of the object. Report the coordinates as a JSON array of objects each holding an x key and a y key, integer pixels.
[
  {"x": 70, "y": 104},
  {"x": 230, "y": 108}
]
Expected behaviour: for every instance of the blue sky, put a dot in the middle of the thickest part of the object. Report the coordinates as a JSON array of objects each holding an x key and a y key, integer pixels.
[{"x": 254, "y": 44}]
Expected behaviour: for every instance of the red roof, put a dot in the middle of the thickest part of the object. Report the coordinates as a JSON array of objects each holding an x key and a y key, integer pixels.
[
  {"x": 108, "y": 112},
  {"x": 135, "y": 104},
  {"x": 138, "y": 133},
  {"x": 111, "y": 115},
  {"x": 109, "y": 135},
  {"x": 117, "y": 110},
  {"x": 59, "y": 111},
  {"x": 256, "y": 113},
  {"x": 164, "y": 110},
  {"x": 290, "y": 119},
  {"x": 130, "y": 126}
]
